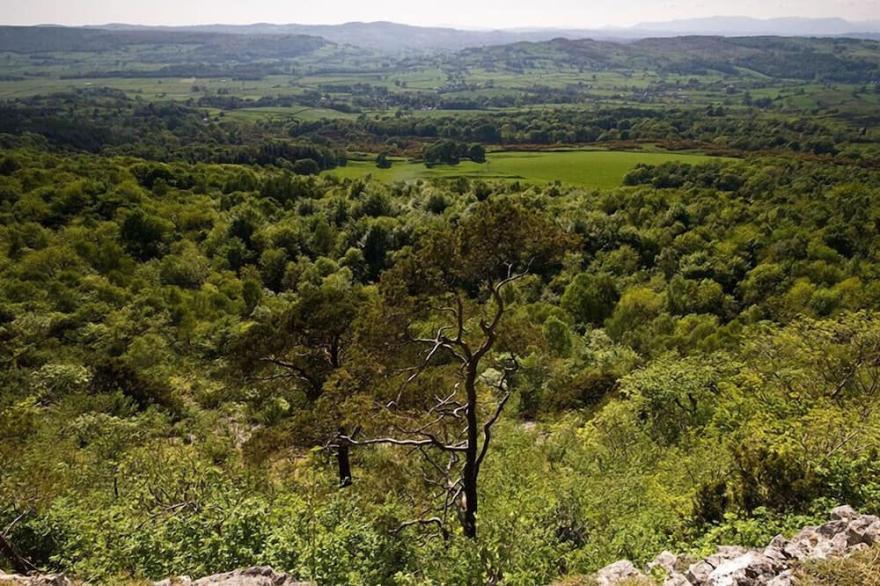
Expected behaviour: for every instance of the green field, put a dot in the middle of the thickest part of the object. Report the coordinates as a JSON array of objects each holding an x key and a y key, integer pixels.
[{"x": 592, "y": 168}]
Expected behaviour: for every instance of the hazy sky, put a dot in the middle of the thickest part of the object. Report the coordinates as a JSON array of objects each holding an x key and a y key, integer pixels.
[{"x": 462, "y": 13}]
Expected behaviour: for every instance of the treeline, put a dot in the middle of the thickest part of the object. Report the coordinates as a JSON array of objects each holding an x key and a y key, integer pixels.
[
  {"x": 745, "y": 131},
  {"x": 106, "y": 121},
  {"x": 451, "y": 153},
  {"x": 238, "y": 72}
]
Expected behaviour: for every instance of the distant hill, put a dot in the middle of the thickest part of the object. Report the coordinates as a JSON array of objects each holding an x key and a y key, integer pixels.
[
  {"x": 213, "y": 43},
  {"x": 202, "y": 46},
  {"x": 389, "y": 36},
  {"x": 825, "y": 59},
  {"x": 384, "y": 36}
]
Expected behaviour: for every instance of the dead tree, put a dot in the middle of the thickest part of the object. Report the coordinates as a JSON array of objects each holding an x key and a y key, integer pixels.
[{"x": 454, "y": 426}]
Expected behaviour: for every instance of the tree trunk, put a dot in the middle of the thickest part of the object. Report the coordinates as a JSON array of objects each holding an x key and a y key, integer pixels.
[
  {"x": 342, "y": 458},
  {"x": 18, "y": 562},
  {"x": 471, "y": 471}
]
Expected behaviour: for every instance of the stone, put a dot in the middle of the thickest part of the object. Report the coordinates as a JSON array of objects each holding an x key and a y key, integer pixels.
[
  {"x": 845, "y": 534},
  {"x": 802, "y": 545},
  {"x": 844, "y": 513},
  {"x": 785, "y": 578},
  {"x": 775, "y": 550},
  {"x": 667, "y": 561},
  {"x": 36, "y": 580},
  {"x": 750, "y": 568},
  {"x": 865, "y": 529},
  {"x": 256, "y": 576},
  {"x": 698, "y": 573},
  {"x": 676, "y": 579},
  {"x": 832, "y": 528},
  {"x": 617, "y": 572}
]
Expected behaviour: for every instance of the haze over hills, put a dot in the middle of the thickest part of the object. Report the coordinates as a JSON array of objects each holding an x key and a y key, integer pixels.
[
  {"x": 390, "y": 36},
  {"x": 746, "y": 26}
]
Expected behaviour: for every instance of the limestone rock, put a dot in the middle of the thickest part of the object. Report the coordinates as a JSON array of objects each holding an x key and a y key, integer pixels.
[
  {"x": 667, "y": 561},
  {"x": 846, "y": 533},
  {"x": 39, "y": 580},
  {"x": 786, "y": 578},
  {"x": 865, "y": 529},
  {"x": 617, "y": 572},
  {"x": 844, "y": 513},
  {"x": 256, "y": 576},
  {"x": 676, "y": 579},
  {"x": 746, "y": 570}
]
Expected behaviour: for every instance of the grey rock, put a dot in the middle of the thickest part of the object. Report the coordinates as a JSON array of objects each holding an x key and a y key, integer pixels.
[
  {"x": 845, "y": 534},
  {"x": 775, "y": 550},
  {"x": 667, "y": 561},
  {"x": 748, "y": 569},
  {"x": 698, "y": 573},
  {"x": 786, "y": 578},
  {"x": 832, "y": 528},
  {"x": 844, "y": 513},
  {"x": 256, "y": 576},
  {"x": 670, "y": 567},
  {"x": 865, "y": 529},
  {"x": 37, "y": 580},
  {"x": 676, "y": 579},
  {"x": 617, "y": 572},
  {"x": 802, "y": 545}
]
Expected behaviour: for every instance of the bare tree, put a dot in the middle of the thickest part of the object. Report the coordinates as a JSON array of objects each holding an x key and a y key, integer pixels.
[{"x": 455, "y": 433}]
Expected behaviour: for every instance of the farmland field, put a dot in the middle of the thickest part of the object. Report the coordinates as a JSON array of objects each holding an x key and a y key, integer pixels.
[{"x": 593, "y": 168}]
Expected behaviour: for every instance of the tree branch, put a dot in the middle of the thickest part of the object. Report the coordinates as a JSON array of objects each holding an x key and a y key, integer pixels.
[
  {"x": 487, "y": 428},
  {"x": 423, "y": 522},
  {"x": 430, "y": 441}
]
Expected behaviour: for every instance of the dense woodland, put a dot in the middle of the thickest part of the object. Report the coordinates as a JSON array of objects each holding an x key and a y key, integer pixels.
[{"x": 217, "y": 353}]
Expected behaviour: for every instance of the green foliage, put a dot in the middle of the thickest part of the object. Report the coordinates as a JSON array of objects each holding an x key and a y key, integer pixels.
[
  {"x": 190, "y": 311},
  {"x": 590, "y": 299}
]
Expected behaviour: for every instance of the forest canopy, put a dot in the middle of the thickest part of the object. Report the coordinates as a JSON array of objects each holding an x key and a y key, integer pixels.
[{"x": 231, "y": 336}]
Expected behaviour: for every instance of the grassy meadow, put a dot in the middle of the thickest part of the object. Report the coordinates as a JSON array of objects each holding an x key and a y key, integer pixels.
[{"x": 592, "y": 168}]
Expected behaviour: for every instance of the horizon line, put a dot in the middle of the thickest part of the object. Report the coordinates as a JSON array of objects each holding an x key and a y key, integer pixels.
[{"x": 521, "y": 28}]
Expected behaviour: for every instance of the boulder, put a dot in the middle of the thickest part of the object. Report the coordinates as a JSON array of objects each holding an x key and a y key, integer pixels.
[
  {"x": 256, "y": 576},
  {"x": 844, "y": 513},
  {"x": 864, "y": 529},
  {"x": 698, "y": 573},
  {"x": 803, "y": 545},
  {"x": 670, "y": 567},
  {"x": 666, "y": 561},
  {"x": 35, "y": 580},
  {"x": 775, "y": 550},
  {"x": 748, "y": 569},
  {"x": 617, "y": 572}
]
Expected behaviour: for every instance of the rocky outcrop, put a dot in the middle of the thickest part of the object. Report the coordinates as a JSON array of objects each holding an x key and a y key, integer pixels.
[
  {"x": 40, "y": 580},
  {"x": 846, "y": 533},
  {"x": 616, "y": 573},
  {"x": 256, "y": 576}
]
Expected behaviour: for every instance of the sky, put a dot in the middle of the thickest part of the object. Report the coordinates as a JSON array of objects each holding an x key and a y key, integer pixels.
[{"x": 459, "y": 13}]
